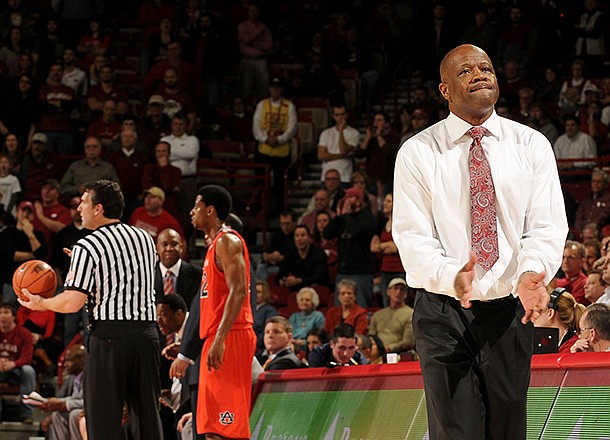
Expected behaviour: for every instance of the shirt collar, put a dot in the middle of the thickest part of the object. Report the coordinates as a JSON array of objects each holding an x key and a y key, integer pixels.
[
  {"x": 175, "y": 268},
  {"x": 458, "y": 128}
]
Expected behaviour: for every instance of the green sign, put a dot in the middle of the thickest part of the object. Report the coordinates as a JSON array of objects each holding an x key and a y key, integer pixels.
[{"x": 575, "y": 413}]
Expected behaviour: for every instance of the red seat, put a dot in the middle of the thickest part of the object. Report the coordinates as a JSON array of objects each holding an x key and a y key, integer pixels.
[{"x": 327, "y": 297}]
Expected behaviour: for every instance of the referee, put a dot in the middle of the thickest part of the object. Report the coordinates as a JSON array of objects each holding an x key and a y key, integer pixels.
[{"x": 113, "y": 269}]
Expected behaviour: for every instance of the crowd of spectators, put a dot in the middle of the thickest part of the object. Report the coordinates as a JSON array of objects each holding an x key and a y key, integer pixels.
[{"x": 207, "y": 70}]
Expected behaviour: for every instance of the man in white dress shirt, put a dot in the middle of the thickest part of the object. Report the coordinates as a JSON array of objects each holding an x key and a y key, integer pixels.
[
  {"x": 184, "y": 155},
  {"x": 574, "y": 144},
  {"x": 473, "y": 310},
  {"x": 337, "y": 144}
]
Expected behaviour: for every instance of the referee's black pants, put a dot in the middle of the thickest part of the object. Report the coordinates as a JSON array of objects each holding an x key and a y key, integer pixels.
[
  {"x": 475, "y": 365},
  {"x": 122, "y": 367}
]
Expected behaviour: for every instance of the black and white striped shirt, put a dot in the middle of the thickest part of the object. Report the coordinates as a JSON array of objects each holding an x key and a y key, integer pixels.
[{"x": 115, "y": 267}]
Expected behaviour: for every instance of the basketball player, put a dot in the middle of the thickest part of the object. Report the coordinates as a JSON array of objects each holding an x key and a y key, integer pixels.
[{"x": 225, "y": 324}]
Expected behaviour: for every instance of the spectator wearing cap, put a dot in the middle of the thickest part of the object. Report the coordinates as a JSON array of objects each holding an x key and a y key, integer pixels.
[
  {"x": 274, "y": 125},
  {"x": 19, "y": 243},
  {"x": 39, "y": 164},
  {"x": 154, "y": 125},
  {"x": 255, "y": 44},
  {"x": 51, "y": 216},
  {"x": 60, "y": 261},
  {"x": 89, "y": 169},
  {"x": 393, "y": 323},
  {"x": 152, "y": 217},
  {"x": 354, "y": 226}
]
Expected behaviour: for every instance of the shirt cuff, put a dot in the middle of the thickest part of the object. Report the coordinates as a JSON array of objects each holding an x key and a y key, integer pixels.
[{"x": 185, "y": 359}]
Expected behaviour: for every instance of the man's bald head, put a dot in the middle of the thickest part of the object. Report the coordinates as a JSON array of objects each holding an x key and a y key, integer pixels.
[
  {"x": 169, "y": 247},
  {"x": 469, "y": 83},
  {"x": 75, "y": 359}
]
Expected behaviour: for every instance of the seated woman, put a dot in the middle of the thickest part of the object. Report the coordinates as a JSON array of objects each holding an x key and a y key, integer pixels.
[
  {"x": 263, "y": 311},
  {"x": 563, "y": 313},
  {"x": 348, "y": 312},
  {"x": 307, "y": 318}
]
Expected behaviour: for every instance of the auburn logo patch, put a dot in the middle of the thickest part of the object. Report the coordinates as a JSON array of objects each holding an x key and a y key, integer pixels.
[{"x": 227, "y": 418}]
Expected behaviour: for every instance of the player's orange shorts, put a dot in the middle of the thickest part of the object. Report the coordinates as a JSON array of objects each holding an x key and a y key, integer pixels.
[{"x": 223, "y": 406}]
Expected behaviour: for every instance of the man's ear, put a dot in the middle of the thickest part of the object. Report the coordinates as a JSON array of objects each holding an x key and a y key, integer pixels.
[
  {"x": 442, "y": 87},
  {"x": 594, "y": 336}
]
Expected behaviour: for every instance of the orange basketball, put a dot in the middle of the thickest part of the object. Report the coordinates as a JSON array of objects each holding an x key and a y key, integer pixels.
[{"x": 36, "y": 276}]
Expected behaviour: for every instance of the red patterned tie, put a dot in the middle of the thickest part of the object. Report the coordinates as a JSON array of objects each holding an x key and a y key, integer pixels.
[
  {"x": 484, "y": 239},
  {"x": 168, "y": 283}
]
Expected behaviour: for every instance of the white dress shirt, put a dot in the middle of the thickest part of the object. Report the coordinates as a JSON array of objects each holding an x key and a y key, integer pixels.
[
  {"x": 431, "y": 219},
  {"x": 184, "y": 153},
  {"x": 581, "y": 145},
  {"x": 329, "y": 138}
]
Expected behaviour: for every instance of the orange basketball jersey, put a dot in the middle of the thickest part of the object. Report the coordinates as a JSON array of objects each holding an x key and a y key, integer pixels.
[{"x": 214, "y": 291}]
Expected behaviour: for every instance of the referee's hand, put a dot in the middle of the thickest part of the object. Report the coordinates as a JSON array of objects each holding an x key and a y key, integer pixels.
[{"x": 32, "y": 302}]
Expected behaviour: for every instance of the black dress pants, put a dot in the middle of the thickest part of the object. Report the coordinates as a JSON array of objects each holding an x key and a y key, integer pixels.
[
  {"x": 476, "y": 366},
  {"x": 122, "y": 367}
]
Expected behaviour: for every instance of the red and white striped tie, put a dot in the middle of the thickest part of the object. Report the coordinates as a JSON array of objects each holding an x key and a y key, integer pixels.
[
  {"x": 484, "y": 238},
  {"x": 168, "y": 283}
]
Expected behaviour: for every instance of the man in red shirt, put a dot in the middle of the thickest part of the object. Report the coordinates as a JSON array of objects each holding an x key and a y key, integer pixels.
[
  {"x": 152, "y": 217},
  {"x": 56, "y": 104},
  {"x": 572, "y": 264},
  {"x": 16, "y": 349},
  {"x": 51, "y": 216}
]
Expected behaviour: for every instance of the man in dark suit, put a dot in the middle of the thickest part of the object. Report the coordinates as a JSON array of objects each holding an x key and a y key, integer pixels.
[
  {"x": 278, "y": 353},
  {"x": 186, "y": 362},
  {"x": 173, "y": 275}
]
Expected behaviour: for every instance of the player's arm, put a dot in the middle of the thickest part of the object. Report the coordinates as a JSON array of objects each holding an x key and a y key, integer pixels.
[
  {"x": 69, "y": 301},
  {"x": 230, "y": 256}
]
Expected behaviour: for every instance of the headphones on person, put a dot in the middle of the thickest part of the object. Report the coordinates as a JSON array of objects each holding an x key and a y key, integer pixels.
[{"x": 555, "y": 294}]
